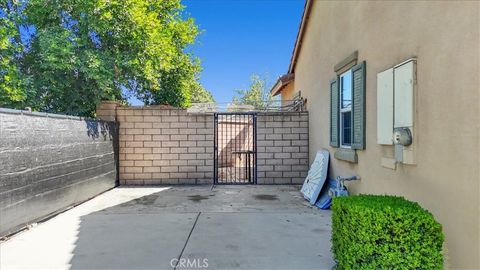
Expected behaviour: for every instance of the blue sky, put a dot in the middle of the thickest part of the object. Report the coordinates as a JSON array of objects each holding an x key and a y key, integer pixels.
[{"x": 242, "y": 37}]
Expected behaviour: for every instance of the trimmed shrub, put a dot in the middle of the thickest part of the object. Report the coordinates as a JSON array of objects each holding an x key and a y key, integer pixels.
[{"x": 384, "y": 232}]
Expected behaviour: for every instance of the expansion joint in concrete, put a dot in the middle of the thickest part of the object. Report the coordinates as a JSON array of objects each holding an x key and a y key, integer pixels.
[{"x": 186, "y": 241}]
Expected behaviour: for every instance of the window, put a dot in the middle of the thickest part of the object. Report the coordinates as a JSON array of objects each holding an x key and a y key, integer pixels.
[{"x": 346, "y": 109}]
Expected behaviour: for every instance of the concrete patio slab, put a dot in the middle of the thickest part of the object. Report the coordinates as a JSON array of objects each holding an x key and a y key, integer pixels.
[
  {"x": 131, "y": 241},
  {"x": 226, "y": 198},
  {"x": 232, "y": 227},
  {"x": 261, "y": 241}
]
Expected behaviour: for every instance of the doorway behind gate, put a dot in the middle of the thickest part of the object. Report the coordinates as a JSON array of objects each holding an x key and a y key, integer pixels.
[{"x": 235, "y": 148}]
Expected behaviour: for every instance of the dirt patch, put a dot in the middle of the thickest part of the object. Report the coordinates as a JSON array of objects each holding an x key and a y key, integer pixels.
[
  {"x": 145, "y": 200},
  {"x": 265, "y": 197},
  {"x": 197, "y": 198}
]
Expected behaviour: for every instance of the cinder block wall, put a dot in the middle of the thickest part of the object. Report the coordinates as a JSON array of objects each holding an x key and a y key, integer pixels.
[
  {"x": 164, "y": 145},
  {"x": 282, "y": 147},
  {"x": 167, "y": 145},
  {"x": 49, "y": 162}
]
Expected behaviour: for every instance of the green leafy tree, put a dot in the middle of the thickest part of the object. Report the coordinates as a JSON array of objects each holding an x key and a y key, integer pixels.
[
  {"x": 200, "y": 95},
  {"x": 257, "y": 94},
  {"x": 85, "y": 51},
  {"x": 180, "y": 85},
  {"x": 12, "y": 88}
]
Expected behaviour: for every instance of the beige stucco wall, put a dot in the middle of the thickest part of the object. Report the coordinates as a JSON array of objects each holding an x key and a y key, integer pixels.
[
  {"x": 445, "y": 38},
  {"x": 288, "y": 93}
]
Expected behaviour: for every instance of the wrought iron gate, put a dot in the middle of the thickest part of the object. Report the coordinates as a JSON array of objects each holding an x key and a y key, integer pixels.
[{"x": 235, "y": 148}]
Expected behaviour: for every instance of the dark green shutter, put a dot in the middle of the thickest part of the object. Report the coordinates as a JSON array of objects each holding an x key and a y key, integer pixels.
[
  {"x": 358, "y": 108},
  {"x": 334, "y": 120}
]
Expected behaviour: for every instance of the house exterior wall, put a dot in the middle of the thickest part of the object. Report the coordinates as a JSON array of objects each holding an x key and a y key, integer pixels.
[
  {"x": 167, "y": 145},
  {"x": 288, "y": 93},
  {"x": 444, "y": 36}
]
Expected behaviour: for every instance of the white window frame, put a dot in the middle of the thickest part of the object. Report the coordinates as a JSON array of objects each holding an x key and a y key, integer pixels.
[{"x": 344, "y": 110}]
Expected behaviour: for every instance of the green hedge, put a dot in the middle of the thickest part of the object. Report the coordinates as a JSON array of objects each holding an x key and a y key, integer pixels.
[{"x": 384, "y": 232}]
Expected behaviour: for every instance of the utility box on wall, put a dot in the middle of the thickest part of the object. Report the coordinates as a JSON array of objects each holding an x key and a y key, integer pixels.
[
  {"x": 396, "y": 110},
  {"x": 403, "y": 91},
  {"x": 385, "y": 107},
  {"x": 404, "y": 109}
]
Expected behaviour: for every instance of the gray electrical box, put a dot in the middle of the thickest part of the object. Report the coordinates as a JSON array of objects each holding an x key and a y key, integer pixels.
[{"x": 402, "y": 136}]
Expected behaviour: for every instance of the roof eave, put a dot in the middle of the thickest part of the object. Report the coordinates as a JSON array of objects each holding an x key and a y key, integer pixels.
[
  {"x": 281, "y": 83},
  {"x": 276, "y": 89},
  {"x": 301, "y": 32}
]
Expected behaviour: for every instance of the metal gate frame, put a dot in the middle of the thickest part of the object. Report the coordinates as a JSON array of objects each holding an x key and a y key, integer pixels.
[{"x": 250, "y": 155}]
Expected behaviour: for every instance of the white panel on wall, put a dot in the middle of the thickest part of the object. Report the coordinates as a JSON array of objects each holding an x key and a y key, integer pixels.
[
  {"x": 404, "y": 103},
  {"x": 385, "y": 107}
]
